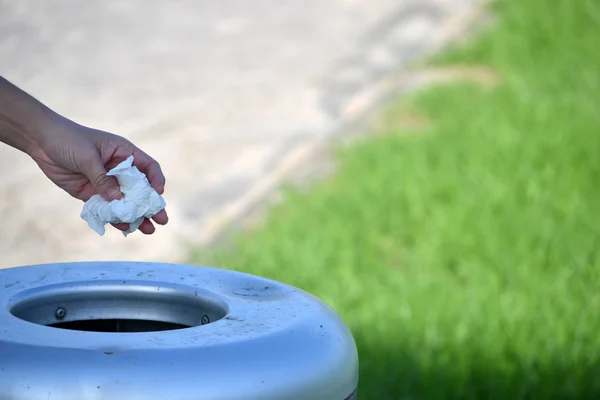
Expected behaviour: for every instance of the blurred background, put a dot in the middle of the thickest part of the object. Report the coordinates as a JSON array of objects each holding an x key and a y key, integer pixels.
[
  {"x": 218, "y": 92},
  {"x": 456, "y": 234}
]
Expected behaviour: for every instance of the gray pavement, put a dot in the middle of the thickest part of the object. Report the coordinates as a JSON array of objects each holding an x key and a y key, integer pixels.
[{"x": 225, "y": 94}]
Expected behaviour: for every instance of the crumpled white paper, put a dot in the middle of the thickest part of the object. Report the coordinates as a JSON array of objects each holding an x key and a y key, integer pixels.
[{"x": 139, "y": 201}]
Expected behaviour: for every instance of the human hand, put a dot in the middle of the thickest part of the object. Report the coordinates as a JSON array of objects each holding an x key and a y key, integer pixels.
[{"x": 76, "y": 159}]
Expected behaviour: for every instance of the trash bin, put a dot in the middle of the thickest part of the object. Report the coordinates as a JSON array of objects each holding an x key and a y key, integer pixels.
[{"x": 124, "y": 330}]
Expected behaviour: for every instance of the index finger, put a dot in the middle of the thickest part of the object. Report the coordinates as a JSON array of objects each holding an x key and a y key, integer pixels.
[{"x": 151, "y": 168}]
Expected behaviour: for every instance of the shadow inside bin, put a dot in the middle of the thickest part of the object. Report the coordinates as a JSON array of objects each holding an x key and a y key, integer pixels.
[{"x": 393, "y": 372}]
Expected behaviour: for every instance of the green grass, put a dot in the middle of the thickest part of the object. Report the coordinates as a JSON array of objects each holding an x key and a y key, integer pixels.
[{"x": 465, "y": 257}]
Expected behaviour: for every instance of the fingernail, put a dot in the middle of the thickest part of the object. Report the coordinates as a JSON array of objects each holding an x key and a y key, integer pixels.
[{"x": 113, "y": 194}]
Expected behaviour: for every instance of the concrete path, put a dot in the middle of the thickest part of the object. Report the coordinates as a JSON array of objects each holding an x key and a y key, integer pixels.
[{"x": 225, "y": 94}]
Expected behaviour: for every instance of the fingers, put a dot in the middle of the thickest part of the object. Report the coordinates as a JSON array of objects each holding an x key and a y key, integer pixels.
[
  {"x": 116, "y": 149},
  {"x": 161, "y": 218},
  {"x": 121, "y": 227},
  {"x": 105, "y": 186},
  {"x": 156, "y": 177},
  {"x": 147, "y": 227},
  {"x": 151, "y": 168},
  {"x": 86, "y": 192}
]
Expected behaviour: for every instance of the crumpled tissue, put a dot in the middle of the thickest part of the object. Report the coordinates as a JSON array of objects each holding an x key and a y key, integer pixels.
[{"x": 139, "y": 201}]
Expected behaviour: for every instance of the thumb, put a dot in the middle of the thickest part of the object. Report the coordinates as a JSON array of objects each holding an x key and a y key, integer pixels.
[{"x": 106, "y": 186}]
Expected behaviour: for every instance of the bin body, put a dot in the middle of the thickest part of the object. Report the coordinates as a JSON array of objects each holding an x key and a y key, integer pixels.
[{"x": 123, "y": 330}]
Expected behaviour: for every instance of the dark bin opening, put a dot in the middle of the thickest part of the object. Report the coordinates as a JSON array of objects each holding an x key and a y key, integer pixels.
[
  {"x": 118, "y": 325},
  {"x": 119, "y": 307}
]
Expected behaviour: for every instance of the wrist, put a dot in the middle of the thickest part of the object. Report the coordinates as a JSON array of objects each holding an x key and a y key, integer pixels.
[{"x": 47, "y": 129}]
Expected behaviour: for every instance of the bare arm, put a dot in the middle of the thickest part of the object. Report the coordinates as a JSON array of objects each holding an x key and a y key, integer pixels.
[
  {"x": 74, "y": 157},
  {"x": 22, "y": 118}
]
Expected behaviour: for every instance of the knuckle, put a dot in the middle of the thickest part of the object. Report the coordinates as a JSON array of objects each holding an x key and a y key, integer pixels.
[{"x": 102, "y": 180}]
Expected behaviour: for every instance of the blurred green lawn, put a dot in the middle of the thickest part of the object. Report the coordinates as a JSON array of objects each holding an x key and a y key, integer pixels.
[{"x": 464, "y": 255}]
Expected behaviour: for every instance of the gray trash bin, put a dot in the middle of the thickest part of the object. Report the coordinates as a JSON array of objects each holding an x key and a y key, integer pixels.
[{"x": 79, "y": 331}]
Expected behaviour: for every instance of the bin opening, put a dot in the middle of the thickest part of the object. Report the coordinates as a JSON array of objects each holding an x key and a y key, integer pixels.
[
  {"x": 118, "y": 325},
  {"x": 118, "y": 307}
]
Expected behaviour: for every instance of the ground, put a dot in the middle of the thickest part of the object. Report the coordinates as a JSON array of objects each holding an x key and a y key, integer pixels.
[
  {"x": 221, "y": 93},
  {"x": 458, "y": 236}
]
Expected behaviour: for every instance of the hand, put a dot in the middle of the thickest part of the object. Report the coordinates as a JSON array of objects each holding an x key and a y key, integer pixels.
[{"x": 77, "y": 158}]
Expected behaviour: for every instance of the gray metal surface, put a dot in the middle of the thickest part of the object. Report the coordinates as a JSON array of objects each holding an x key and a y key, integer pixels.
[{"x": 163, "y": 331}]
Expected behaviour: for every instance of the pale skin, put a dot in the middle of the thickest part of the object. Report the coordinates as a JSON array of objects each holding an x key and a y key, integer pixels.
[{"x": 74, "y": 157}]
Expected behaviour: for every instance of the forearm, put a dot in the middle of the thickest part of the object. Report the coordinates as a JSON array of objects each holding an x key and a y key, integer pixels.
[{"x": 23, "y": 119}]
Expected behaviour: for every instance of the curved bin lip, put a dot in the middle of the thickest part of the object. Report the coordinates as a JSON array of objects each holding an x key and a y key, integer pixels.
[{"x": 263, "y": 334}]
